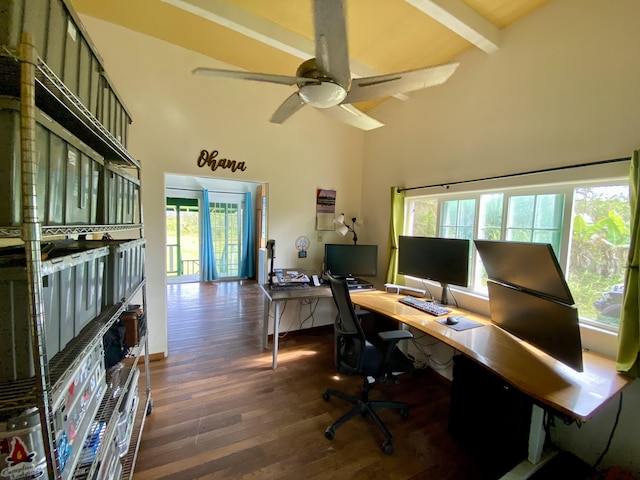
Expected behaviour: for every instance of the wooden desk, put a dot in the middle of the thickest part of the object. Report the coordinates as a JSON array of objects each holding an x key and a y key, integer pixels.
[
  {"x": 277, "y": 297},
  {"x": 578, "y": 395}
]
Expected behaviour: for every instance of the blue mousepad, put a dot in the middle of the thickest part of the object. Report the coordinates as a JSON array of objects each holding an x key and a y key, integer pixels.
[{"x": 464, "y": 323}]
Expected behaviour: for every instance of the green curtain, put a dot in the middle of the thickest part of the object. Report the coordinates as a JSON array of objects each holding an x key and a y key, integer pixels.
[
  {"x": 396, "y": 224},
  {"x": 629, "y": 333}
]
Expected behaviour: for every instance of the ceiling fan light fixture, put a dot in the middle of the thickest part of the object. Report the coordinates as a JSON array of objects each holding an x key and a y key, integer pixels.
[{"x": 322, "y": 94}]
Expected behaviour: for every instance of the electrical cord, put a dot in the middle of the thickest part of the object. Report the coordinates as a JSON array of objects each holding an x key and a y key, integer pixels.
[
  {"x": 613, "y": 431},
  {"x": 430, "y": 361},
  {"x": 313, "y": 304}
]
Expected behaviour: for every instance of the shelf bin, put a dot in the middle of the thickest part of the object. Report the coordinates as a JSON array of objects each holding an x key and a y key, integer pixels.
[
  {"x": 68, "y": 172},
  {"x": 72, "y": 295},
  {"x": 65, "y": 46},
  {"x": 118, "y": 197},
  {"x": 76, "y": 403},
  {"x": 124, "y": 269}
]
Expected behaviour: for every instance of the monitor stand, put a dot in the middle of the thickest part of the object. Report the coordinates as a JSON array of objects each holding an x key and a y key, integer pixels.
[{"x": 444, "y": 297}]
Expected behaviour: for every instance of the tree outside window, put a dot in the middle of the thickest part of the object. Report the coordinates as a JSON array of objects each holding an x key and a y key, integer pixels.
[{"x": 598, "y": 251}]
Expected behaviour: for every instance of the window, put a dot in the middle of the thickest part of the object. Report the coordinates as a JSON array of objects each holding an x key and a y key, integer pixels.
[{"x": 586, "y": 224}]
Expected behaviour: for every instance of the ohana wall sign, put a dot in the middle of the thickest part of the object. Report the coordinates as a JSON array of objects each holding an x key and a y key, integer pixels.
[{"x": 211, "y": 160}]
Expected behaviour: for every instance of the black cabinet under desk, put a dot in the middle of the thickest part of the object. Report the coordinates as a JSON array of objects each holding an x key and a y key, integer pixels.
[{"x": 488, "y": 415}]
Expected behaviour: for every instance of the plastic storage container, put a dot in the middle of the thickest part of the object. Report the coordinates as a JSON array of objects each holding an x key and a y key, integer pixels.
[
  {"x": 124, "y": 268},
  {"x": 73, "y": 279},
  {"x": 127, "y": 414},
  {"x": 112, "y": 112},
  {"x": 68, "y": 172},
  {"x": 118, "y": 197},
  {"x": 63, "y": 43},
  {"x": 75, "y": 405}
]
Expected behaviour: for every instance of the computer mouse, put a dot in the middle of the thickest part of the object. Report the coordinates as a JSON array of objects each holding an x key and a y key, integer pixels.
[{"x": 452, "y": 320}]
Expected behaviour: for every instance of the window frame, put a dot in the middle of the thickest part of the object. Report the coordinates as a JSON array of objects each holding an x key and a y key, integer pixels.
[{"x": 566, "y": 187}]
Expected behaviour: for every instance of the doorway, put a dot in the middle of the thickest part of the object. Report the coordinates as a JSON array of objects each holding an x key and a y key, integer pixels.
[{"x": 227, "y": 215}]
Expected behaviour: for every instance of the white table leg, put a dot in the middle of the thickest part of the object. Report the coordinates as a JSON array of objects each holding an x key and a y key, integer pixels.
[
  {"x": 265, "y": 323},
  {"x": 276, "y": 325},
  {"x": 536, "y": 435},
  {"x": 537, "y": 457}
]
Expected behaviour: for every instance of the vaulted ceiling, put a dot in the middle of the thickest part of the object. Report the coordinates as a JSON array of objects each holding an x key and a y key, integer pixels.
[{"x": 276, "y": 36}]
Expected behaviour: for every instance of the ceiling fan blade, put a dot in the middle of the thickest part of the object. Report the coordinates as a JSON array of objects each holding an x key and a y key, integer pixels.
[
  {"x": 290, "y": 106},
  {"x": 332, "y": 52},
  {"x": 368, "y": 88},
  {"x": 352, "y": 116},
  {"x": 256, "y": 77}
]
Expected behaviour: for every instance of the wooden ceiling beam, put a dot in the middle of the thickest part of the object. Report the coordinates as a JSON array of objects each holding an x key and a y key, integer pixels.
[{"x": 463, "y": 20}]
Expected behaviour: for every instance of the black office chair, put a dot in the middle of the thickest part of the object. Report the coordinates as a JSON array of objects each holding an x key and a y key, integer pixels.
[{"x": 355, "y": 355}]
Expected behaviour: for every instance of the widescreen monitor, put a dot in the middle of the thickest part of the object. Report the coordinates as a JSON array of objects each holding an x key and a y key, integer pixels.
[
  {"x": 550, "y": 325},
  {"x": 351, "y": 261},
  {"x": 530, "y": 266},
  {"x": 443, "y": 260}
]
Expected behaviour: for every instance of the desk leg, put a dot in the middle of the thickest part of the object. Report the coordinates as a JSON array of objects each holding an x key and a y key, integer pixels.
[
  {"x": 265, "y": 323},
  {"x": 276, "y": 334},
  {"x": 536, "y": 458},
  {"x": 536, "y": 435}
]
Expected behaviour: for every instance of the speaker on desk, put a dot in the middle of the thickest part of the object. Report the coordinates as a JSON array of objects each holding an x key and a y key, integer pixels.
[{"x": 488, "y": 415}]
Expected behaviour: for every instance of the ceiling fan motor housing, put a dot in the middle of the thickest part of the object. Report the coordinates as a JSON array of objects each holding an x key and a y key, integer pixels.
[{"x": 325, "y": 92}]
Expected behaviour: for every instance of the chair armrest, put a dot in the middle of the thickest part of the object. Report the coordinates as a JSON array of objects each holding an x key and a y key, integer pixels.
[
  {"x": 395, "y": 335},
  {"x": 391, "y": 339}
]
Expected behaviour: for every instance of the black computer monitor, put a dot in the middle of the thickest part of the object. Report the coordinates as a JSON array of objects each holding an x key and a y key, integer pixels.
[
  {"x": 530, "y": 266},
  {"x": 529, "y": 297},
  {"x": 550, "y": 325},
  {"x": 351, "y": 261},
  {"x": 443, "y": 260}
]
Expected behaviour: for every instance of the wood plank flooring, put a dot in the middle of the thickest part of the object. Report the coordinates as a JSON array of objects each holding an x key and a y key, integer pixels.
[{"x": 221, "y": 412}]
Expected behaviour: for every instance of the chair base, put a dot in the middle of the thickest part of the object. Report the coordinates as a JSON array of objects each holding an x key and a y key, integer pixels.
[{"x": 366, "y": 408}]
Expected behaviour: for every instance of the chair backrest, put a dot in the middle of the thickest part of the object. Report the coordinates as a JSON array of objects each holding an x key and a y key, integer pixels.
[{"x": 350, "y": 339}]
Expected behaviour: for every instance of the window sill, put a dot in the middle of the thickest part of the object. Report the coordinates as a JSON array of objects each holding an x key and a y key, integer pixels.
[{"x": 599, "y": 340}]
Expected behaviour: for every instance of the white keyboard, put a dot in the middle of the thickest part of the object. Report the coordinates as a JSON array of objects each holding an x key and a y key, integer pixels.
[{"x": 427, "y": 307}]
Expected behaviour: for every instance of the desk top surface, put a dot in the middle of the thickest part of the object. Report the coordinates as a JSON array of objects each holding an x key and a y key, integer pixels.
[
  {"x": 577, "y": 394},
  {"x": 323, "y": 291}
]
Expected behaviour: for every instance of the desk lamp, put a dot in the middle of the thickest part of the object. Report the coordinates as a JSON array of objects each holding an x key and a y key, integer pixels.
[{"x": 343, "y": 228}]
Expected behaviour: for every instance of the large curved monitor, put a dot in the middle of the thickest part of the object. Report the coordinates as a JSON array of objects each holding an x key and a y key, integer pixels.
[{"x": 443, "y": 260}]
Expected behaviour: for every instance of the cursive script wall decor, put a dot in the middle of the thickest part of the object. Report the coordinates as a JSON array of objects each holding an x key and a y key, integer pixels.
[{"x": 211, "y": 159}]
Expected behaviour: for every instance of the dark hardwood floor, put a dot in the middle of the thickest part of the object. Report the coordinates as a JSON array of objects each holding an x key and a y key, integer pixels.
[{"x": 221, "y": 412}]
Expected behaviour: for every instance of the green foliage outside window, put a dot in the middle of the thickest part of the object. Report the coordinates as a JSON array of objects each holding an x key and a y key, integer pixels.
[{"x": 599, "y": 248}]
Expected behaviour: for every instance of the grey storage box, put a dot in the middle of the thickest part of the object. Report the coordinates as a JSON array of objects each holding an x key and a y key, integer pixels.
[
  {"x": 111, "y": 111},
  {"x": 72, "y": 295},
  {"x": 118, "y": 197},
  {"x": 63, "y": 43},
  {"x": 68, "y": 172},
  {"x": 124, "y": 268}
]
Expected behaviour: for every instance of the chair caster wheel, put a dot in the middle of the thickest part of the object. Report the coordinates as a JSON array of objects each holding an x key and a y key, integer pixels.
[
  {"x": 387, "y": 447},
  {"x": 405, "y": 413},
  {"x": 325, "y": 396},
  {"x": 329, "y": 433}
]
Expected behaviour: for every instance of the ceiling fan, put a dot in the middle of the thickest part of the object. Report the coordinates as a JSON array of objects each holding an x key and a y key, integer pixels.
[{"x": 325, "y": 81}]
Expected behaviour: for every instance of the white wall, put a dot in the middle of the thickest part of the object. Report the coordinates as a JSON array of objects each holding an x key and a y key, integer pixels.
[
  {"x": 176, "y": 115},
  {"x": 562, "y": 90}
]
